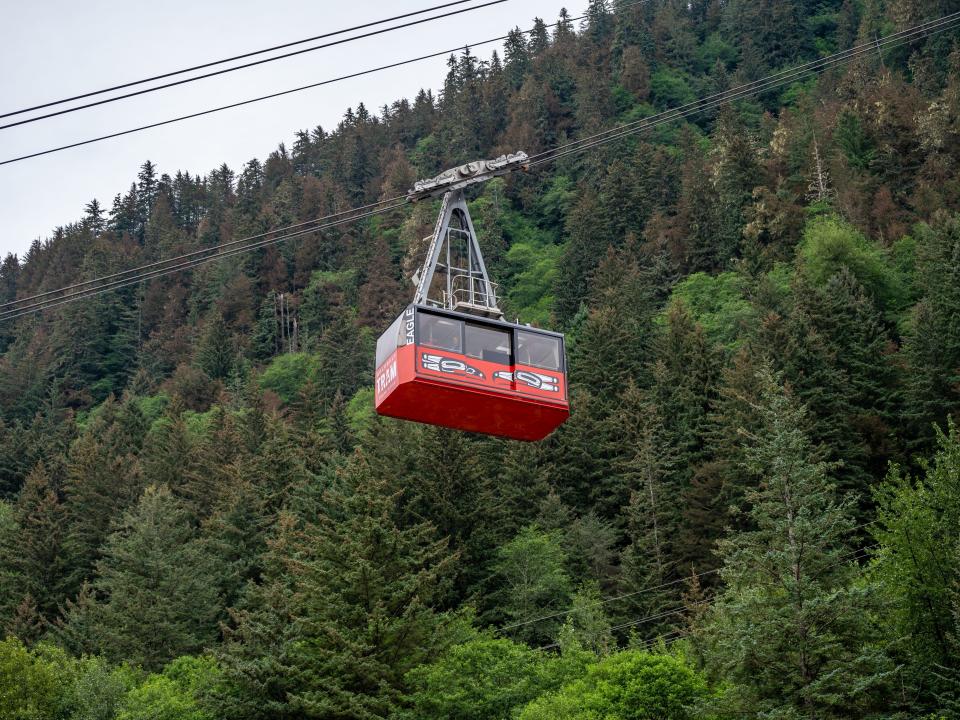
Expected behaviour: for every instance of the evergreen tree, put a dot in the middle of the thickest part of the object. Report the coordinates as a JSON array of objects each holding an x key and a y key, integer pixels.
[
  {"x": 791, "y": 629},
  {"x": 852, "y": 415},
  {"x": 215, "y": 351},
  {"x": 147, "y": 190},
  {"x": 93, "y": 217},
  {"x": 652, "y": 513},
  {"x": 539, "y": 38},
  {"x": 516, "y": 57},
  {"x": 585, "y": 249},
  {"x": 932, "y": 348},
  {"x": 155, "y": 596},
  {"x": 446, "y": 479},
  {"x": 918, "y": 568},
  {"x": 685, "y": 380},
  {"x": 351, "y": 598},
  {"x": 599, "y": 21},
  {"x": 35, "y": 554},
  {"x": 102, "y": 480}
]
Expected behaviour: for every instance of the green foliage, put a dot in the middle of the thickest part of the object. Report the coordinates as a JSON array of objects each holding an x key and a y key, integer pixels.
[
  {"x": 857, "y": 146},
  {"x": 360, "y": 411},
  {"x": 932, "y": 345},
  {"x": 481, "y": 679},
  {"x": 174, "y": 694},
  {"x": 670, "y": 89},
  {"x": 717, "y": 304},
  {"x": 153, "y": 406},
  {"x": 783, "y": 577},
  {"x": 630, "y": 685},
  {"x": 348, "y": 611},
  {"x": 326, "y": 297},
  {"x": 533, "y": 273},
  {"x": 287, "y": 374},
  {"x": 30, "y": 685},
  {"x": 829, "y": 244},
  {"x": 917, "y": 565},
  {"x": 588, "y": 621},
  {"x": 216, "y": 355},
  {"x": 156, "y": 594},
  {"x": 530, "y": 265},
  {"x": 555, "y": 202},
  {"x": 96, "y": 689},
  {"x": 531, "y": 570}
]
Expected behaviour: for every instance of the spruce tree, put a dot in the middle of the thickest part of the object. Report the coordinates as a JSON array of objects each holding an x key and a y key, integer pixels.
[
  {"x": 155, "y": 596},
  {"x": 932, "y": 348},
  {"x": 102, "y": 480},
  {"x": 853, "y": 416},
  {"x": 215, "y": 351},
  {"x": 791, "y": 630},
  {"x": 652, "y": 513},
  {"x": 918, "y": 568},
  {"x": 447, "y": 482},
  {"x": 685, "y": 379},
  {"x": 35, "y": 553},
  {"x": 349, "y": 601}
]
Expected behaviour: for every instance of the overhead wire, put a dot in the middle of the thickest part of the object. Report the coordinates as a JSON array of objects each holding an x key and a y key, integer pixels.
[
  {"x": 699, "y": 106},
  {"x": 281, "y": 93},
  {"x": 765, "y": 84},
  {"x": 642, "y": 591},
  {"x": 853, "y": 556},
  {"x": 38, "y": 304},
  {"x": 189, "y": 265},
  {"x": 175, "y": 83},
  {"x": 242, "y": 56},
  {"x": 194, "y": 254}
]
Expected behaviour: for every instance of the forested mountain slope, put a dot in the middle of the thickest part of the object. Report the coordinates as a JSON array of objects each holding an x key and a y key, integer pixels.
[{"x": 754, "y": 510}]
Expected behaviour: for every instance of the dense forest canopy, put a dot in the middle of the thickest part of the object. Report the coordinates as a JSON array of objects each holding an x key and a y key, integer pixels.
[{"x": 754, "y": 511}]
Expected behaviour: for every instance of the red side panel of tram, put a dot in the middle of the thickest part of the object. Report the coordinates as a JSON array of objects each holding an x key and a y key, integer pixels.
[{"x": 473, "y": 385}]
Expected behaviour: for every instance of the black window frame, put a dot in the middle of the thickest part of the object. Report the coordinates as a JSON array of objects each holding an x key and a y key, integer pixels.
[
  {"x": 492, "y": 327},
  {"x": 445, "y": 318},
  {"x": 561, "y": 349}
]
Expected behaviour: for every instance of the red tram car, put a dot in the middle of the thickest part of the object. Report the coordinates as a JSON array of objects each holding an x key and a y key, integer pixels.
[{"x": 472, "y": 373}]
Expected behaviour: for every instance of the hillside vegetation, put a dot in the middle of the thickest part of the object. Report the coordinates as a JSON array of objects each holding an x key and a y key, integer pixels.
[{"x": 753, "y": 512}]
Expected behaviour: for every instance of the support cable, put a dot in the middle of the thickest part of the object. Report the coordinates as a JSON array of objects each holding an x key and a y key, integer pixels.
[
  {"x": 188, "y": 265},
  {"x": 254, "y": 63},
  {"x": 740, "y": 92},
  {"x": 46, "y": 300},
  {"x": 230, "y": 59},
  {"x": 854, "y": 556},
  {"x": 281, "y": 93}
]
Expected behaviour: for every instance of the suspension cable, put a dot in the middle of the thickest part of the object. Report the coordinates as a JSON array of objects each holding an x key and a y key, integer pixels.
[
  {"x": 230, "y": 59},
  {"x": 189, "y": 265},
  {"x": 271, "y": 96},
  {"x": 45, "y": 300},
  {"x": 253, "y": 63}
]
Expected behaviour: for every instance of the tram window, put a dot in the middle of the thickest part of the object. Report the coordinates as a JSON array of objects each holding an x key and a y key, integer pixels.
[
  {"x": 486, "y": 343},
  {"x": 540, "y": 351},
  {"x": 440, "y": 333},
  {"x": 389, "y": 341}
]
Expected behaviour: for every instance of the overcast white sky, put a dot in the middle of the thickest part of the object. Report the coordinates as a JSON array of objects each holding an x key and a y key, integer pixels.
[{"x": 57, "y": 48}]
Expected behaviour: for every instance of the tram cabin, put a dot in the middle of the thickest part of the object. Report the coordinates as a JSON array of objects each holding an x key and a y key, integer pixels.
[{"x": 471, "y": 373}]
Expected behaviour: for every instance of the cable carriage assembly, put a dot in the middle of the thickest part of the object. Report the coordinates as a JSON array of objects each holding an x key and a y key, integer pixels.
[{"x": 451, "y": 359}]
